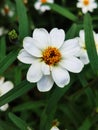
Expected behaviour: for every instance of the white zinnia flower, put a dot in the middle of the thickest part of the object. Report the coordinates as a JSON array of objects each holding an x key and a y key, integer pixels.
[
  {"x": 7, "y": 11},
  {"x": 54, "y": 128},
  {"x": 38, "y": 5},
  {"x": 83, "y": 53},
  {"x": 87, "y": 5},
  {"x": 50, "y": 57},
  {"x": 4, "y": 88}
]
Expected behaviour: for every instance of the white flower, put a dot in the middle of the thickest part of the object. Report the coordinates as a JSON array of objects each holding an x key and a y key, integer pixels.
[
  {"x": 50, "y": 57},
  {"x": 4, "y": 88},
  {"x": 3, "y": 31},
  {"x": 87, "y": 5},
  {"x": 54, "y": 128},
  {"x": 83, "y": 53},
  {"x": 7, "y": 11},
  {"x": 38, "y": 5}
]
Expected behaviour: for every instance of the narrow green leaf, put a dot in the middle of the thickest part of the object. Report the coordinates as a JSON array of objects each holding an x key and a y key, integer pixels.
[
  {"x": 90, "y": 43},
  {"x": 29, "y": 105},
  {"x": 16, "y": 92},
  {"x": 18, "y": 75},
  {"x": 86, "y": 124},
  {"x": 62, "y": 11},
  {"x": 48, "y": 114},
  {"x": 88, "y": 91},
  {"x": 8, "y": 60},
  {"x": 18, "y": 122},
  {"x": 2, "y": 48},
  {"x": 72, "y": 31},
  {"x": 22, "y": 19}
]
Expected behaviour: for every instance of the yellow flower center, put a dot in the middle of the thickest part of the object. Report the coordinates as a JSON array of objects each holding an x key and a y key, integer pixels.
[
  {"x": 86, "y": 2},
  {"x": 51, "y": 56},
  {"x": 6, "y": 9},
  {"x": 43, "y": 1}
]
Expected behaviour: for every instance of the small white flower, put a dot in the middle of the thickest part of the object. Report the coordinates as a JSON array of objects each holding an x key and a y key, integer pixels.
[
  {"x": 4, "y": 88},
  {"x": 54, "y": 128},
  {"x": 50, "y": 57},
  {"x": 38, "y": 5},
  {"x": 3, "y": 31},
  {"x": 7, "y": 11},
  {"x": 83, "y": 53},
  {"x": 87, "y": 5}
]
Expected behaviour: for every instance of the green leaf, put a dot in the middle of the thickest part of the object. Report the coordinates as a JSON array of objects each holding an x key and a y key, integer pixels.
[
  {"x": 16, "y": 92},
  {"x": 29, "y": 106},
  {"x": 22, "y": 19},
  {"x": 48, "y": 114},
  {"x": 88, "y": 91},
  {"x": 2, "y": 48},
  {"x": 71, "y": 32},
  {"x": 8, "y": 60},
  {"x": 18, "y": 122},
  {"x": 62, "y": 11},
  {"x": 90, "y": 43}
]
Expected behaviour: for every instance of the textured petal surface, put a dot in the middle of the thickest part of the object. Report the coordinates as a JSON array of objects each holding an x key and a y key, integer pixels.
[
  {"x": 34, "y": 73},
  {"x": 5, "y": 87},
  {"x": 41, "y": 35},
  {"x": 57, "y": 37},
  {"x": 1, "y": 80},
  {"x": 84, "y": 57},
  {"x": 60, "y": 76},
  {"x": 29, "y": 45},
  {"x": 25, "y": 57},
  {"x": 70, "y": 47},
  {"x": 45, "y": 84},
  {"x": 4, "y": 107},
  {"x": 45, "y": 69},
  {"x": 72, "y": 64}
]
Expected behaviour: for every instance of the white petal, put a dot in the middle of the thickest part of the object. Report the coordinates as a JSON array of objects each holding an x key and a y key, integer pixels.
[
  {"x": 84, "y": 10},
  {"x": 72, "y": 64},
  {"x": 1, "y": 80},
  {"x": 79, "y": 5},
  {"x": 5, "y": 87},
  {"x": 54, "y": 128},
  {"x": 4, "y": 107},
  {"x": 84, "y": 57},
  {"x": 60, "y": 76},
  {"x": 45, "y": 84},
  {"x": 57, "y": 37},
  {"x": 43, "y": 8},
  {"x": 82, "y": 38},
  {"x": 37, "y": 5},
  {"x": 29, "y": 45},
  {"x": 70, "y": 47},
  {"x": 25, "y": 57},
  {"x": 45, "y": 68},
  {"x": 42, "y": 36},
  {"x": 34, "y": 73}
]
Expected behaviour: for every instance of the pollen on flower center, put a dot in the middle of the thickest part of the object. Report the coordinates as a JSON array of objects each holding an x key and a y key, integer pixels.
[
  {"x": 43, "y": 1},
  {"x": 86, "y": 2},
  {"x": 51, "y": 56},
  {"x": 6, "y": 10}
]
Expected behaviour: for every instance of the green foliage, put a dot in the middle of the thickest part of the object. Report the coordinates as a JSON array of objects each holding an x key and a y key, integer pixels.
[{"x": 76, "y": 105}]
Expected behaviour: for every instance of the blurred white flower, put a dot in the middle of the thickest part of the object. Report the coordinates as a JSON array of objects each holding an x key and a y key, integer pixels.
[
  {"x": 87, "y": 5},
  {"x": 7, "y": 11},
  {"x": 50, "y": 57},
  {"x": 83, "y": 53},
  {"x": 4, "y": 88},
  {"x": 54, "y": 128},
  {"x": 38, "y": 5},
  {"x": 3, "y": 31}
]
